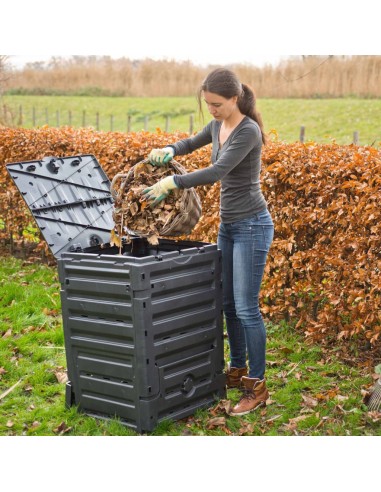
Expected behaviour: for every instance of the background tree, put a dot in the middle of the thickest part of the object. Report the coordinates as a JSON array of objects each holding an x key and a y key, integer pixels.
[
  {"x": 4, "y": 76},
  {"x": 4, "y": 73}
]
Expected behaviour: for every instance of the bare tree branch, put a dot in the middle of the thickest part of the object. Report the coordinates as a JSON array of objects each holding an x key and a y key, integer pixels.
[{"x": 4, "y": 73}]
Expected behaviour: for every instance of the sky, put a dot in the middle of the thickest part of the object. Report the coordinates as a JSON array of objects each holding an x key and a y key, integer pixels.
[{"x": 202, "y": 31}]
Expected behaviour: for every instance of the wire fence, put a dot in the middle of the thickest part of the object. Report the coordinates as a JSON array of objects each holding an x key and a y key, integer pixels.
[{"x": 35, "y": 117}]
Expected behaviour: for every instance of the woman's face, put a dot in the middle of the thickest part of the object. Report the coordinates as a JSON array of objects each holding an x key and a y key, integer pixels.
[{"x": 220, "y": 107}]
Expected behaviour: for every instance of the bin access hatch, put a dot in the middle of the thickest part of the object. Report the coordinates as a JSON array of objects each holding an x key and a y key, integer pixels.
[{"x": 69, "y": 198}]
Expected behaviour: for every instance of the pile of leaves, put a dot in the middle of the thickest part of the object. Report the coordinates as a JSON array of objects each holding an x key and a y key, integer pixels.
[
  {"x": 323, "y": 269},
  {"x": 133, "y": 213}
]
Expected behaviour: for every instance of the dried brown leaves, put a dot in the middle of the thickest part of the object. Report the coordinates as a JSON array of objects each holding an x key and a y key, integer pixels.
[{"x": 132, "y": 212}]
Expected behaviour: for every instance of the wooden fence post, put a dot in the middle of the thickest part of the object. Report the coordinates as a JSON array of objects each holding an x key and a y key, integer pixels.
[
  {"x": 34, "y": 116},
  {"x": 69, "y": 118},
  {"x": 11, "y": 244},
  {"x": 20, "y": 116},
  {"x": 302, "y": 132},
  {"x": 97, "y": 121},
  {"x": 145, "y": 123},
  {"x": 167, "y": 123},
  {"x": 83, "y": 118},
  {"x": 111, "y": 123},
  {"x": 128, "y": 123},
  {"x": 58, "y": 118},
  {"x": 356, "y": 138},
  {"x": 191, "y": 122},
  {"x": 46, "y": 116}
]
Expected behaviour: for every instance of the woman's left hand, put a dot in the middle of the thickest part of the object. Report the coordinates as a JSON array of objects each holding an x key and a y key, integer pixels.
[
  {"x": 160, "y": 157},
  {"x": 160, "y": 190}
]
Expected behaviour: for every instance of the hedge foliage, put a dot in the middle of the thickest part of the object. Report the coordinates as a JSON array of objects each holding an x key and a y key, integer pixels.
[{"x": 324, "y": 265}]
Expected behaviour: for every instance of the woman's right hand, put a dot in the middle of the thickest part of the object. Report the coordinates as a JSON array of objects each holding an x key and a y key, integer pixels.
[
  {"x": 160, "y": 157},
  {"x": 159, "y": 191}
]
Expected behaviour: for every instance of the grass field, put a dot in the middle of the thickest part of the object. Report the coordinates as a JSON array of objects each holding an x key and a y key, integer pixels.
[
  {"x": 312, "y": 391},
  {"x": 324, "y": 119}
]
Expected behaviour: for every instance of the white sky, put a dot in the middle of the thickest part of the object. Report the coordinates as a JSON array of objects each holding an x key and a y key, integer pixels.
[{"x": 202, "y": 31}]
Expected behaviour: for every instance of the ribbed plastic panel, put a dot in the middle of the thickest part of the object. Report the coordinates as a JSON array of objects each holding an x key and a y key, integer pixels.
[
  {"x": 69, "y": 198},
  {"x": 144, "y": 336}
]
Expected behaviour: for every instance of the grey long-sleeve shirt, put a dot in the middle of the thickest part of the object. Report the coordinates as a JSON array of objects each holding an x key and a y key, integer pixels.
[{"x": 237, "y": 164}]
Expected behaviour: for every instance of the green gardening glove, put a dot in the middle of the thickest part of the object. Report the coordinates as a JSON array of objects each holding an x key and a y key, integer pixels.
[
  {"x": 160, "y": 157},
  {"x": 160, "y": 190}
]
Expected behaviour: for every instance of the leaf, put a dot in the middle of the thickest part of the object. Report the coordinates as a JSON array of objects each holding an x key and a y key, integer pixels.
[
  {"x": 61, "y": 376},
  {"x": 293, "y": 423},
  {"x": 215, "y": 422},
  {"x": 374, "y": 416},
  {"x": 50, "y": 312},
  {"x": 272, "y": 363},
  {"x": 286, "y": 350},
  {"x": 246, "y": 428},
  {"x": 62, "y": 429},
  {"x": 7, "y": 334},
  {"x": 327, "y": 395},
  {"x": 223, "y": 406},
  {"x": 115, "y": 239},
  {"x": 153, "y": 239},
  {"x": 342, "y": 398},
  {"x": 133, "y": 208},
  {"x": 309, "y": 402}
]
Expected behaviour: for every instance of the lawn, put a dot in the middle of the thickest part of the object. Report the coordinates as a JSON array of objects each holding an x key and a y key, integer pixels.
[
  {"x": 314, "y": 390},
  {"x": 324, "y": 119}
]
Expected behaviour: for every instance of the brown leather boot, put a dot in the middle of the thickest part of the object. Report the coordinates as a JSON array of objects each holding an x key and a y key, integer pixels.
[
  {"x": 254, "y": 396},
  {"x": 234, "y": 375}
]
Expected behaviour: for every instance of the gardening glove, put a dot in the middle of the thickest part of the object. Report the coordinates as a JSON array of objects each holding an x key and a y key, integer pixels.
[
  {"x": 160, "y": 157},
  {"x": 159, "y": 190}
]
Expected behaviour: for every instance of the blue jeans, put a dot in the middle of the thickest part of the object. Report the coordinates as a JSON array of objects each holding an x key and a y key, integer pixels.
[{"x": 245, "y": 245}]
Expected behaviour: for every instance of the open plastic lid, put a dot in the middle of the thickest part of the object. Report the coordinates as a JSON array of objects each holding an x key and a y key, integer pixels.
[{"x": 69, "y": 198}]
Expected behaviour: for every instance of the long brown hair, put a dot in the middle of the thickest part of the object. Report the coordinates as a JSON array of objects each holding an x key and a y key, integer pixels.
[{"x": 225, "y": 83}]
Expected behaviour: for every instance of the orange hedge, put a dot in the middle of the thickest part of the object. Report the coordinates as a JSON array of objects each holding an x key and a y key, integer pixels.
[{"x": 324, "y": 265}]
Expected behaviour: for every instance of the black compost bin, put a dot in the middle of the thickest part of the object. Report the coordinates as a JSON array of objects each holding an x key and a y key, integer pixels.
[{"x": 142, "y": 325}]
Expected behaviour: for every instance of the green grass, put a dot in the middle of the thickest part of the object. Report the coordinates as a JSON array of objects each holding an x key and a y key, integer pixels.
[
  {"x": 324, "y": 119},
  {"x": 312, "y": 391}
]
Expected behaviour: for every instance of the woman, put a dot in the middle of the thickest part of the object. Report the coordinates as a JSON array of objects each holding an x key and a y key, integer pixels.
[{"x": 246, "y": 229}]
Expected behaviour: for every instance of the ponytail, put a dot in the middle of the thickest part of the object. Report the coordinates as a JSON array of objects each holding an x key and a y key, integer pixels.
[{"x": 246, "y": 104}]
